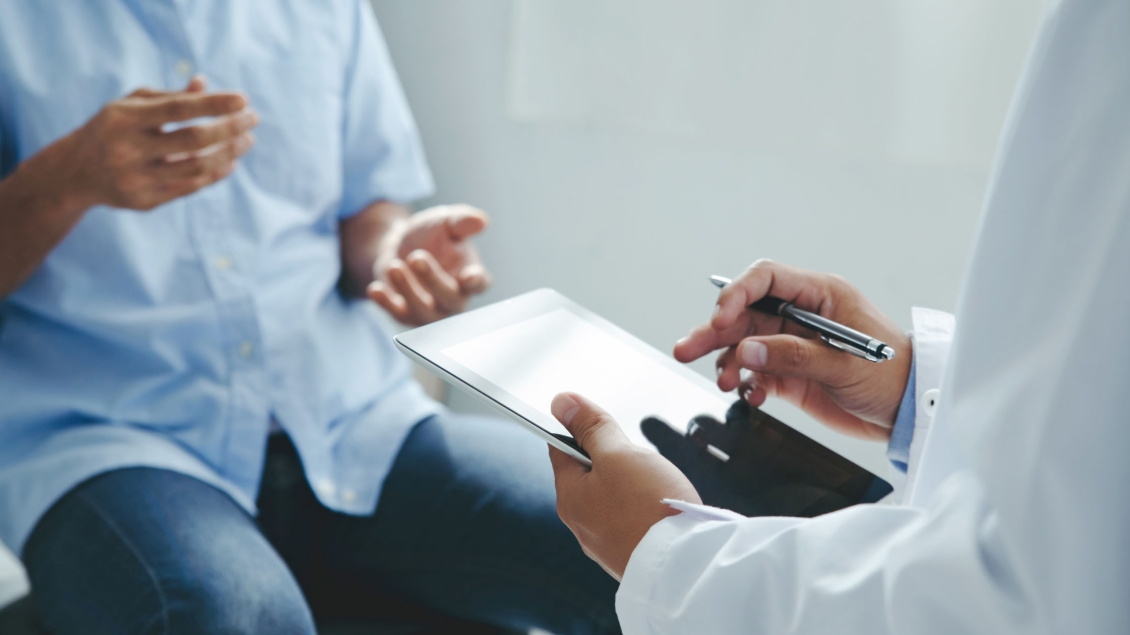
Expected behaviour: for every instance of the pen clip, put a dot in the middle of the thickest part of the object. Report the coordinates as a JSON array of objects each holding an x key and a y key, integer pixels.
[{"x": 853, "y": 350}]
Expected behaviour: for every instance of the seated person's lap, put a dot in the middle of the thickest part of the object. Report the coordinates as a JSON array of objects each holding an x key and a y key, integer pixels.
[{"x": 466, "y": 527}]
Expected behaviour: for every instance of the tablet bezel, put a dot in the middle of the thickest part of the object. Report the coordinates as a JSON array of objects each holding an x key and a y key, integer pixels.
[{"x": 425, "y": 345}]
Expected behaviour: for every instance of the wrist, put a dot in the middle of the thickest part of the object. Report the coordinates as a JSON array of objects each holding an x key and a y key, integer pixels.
[
  {"x": 77, "y": 189},
  {"x": 58, "y": 174}
]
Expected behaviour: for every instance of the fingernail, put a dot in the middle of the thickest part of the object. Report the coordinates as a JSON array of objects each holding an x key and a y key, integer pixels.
[
  {"x": 717, "y": 310},
  {"x": 419, "y": 265},
  {"x": 564, "y": 407},
  {"x": 754, "y": 354},
  {"x": 718, "y": 370},
  {"x": 681, "y": 341},
  {"x": 744, "y": 375}
]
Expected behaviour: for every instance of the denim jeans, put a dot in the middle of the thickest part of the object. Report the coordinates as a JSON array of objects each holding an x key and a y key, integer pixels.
[{"x": 466, "y": 528}]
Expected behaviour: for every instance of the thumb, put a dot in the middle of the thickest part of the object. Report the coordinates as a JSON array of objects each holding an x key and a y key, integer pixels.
[
  {"x": 791, "y": 356},
  {"x": 464, "y": 221},
  {"x": 594, "y": 429}
]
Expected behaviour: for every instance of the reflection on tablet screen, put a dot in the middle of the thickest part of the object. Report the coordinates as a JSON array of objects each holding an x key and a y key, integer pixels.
[{"x": 559, "y": 351}]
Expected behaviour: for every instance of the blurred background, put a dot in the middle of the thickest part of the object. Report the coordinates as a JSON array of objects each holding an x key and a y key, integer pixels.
[{"x": 626, "y": 149}]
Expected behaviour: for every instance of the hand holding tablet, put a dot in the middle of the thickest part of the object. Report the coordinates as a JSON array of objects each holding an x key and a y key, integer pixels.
[{"x": 517, "y": 355}]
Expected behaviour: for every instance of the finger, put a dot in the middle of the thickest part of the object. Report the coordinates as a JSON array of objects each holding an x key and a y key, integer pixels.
[
  {"x": 819, "y": 404},
  {"x": 728, "y": 369},
  {"x": 421, "y": 304},
  {"x": 753, "y": 393},
  {"x": 150, "y": 92},
  {"x": 789, "y": 356},
  {"x": 185, "y": 106},
  {"x": 441, "y": 285},
  {"x": 389, "y": 300},
  {"x": 807, "y": 289},
  {"x": 206, "y": 163},
  {"x": 464, "y": 221},
  {"x": 197, "y": 84},
  {"x": 194, "y": 138},
  {"x": 183, "y": 187},
  {"x": 474, "y": 279},
  {"x": 566, "y": 470},
  {"x": 705, "y": 339},
  {"x": 594, "y": 429}
]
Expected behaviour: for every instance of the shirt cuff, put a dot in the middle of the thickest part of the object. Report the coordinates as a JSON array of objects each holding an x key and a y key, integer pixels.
[{"x": 898, "y": 450}]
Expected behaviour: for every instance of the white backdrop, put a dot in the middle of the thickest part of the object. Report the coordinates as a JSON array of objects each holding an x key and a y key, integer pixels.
[{"x": 628, "y": 148}]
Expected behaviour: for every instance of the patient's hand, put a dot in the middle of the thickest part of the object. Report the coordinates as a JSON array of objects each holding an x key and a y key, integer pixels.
[
  {"x": 427, "y": 268},
  {"x": 847, "y": 393},
  {"x": 612, "y": 506}
]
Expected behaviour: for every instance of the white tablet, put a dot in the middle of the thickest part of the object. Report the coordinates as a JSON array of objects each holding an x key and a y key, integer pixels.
[{"x": 516, "y": 355}]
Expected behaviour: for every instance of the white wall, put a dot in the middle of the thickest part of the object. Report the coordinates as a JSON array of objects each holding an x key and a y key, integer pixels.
[{"x": 628, "y": 148}]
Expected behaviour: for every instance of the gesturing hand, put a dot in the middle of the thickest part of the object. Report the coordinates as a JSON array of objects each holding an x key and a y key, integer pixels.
[
  {"x": 612, "y": 506},
  {"x": 846, "y": 393},
  {"x": 427, "y": 269},
  {"x": 123, "y": 157}
]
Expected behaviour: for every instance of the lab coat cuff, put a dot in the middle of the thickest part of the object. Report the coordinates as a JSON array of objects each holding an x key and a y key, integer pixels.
[
  {"x": 933, "y": 334},
  {"x": 633, "y": 600}
]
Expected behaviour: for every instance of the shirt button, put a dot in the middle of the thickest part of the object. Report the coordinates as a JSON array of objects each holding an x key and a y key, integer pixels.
[
  {"x": 348, "y": 496},
  {"x": 246, "y": 349},
  {"x": 223, "y": 263},
  {"x": 326, "y": 487},
  {"x": 930, "y": 401},
  {"x": 184, "y": 68}
]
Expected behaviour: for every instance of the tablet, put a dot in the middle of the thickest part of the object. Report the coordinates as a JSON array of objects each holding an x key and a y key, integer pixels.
[{"x": 516, "y": 355}]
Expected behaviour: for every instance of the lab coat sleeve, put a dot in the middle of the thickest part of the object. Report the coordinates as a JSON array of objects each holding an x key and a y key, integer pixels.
[{"x": 788, "y": 575}]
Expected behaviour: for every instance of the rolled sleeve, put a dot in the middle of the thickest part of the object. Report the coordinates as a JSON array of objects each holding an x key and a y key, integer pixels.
[{"x": 383, "y": 155}]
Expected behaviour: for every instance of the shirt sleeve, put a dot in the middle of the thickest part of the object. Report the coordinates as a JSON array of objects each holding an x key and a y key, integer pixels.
[
  {"x": 898, "y": 449},
  {"x": 383, "y": 155}
]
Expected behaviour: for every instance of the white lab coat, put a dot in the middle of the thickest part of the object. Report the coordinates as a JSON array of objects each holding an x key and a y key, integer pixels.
[{"x": 1018, "y": 511}]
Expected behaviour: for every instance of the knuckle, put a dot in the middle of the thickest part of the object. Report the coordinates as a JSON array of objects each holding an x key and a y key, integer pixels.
[
  {"x": 836, "y": 282},
  {"x": 119, "y": 155},
  {"x": 798, "y": 354},
  {"x": 587, "y": 425},
  {"x": 762, "y": 263},
  {"x": 195, "y": 136},
  {"x": 195, "y": 168},
  {"x": 177, "y": 110}
]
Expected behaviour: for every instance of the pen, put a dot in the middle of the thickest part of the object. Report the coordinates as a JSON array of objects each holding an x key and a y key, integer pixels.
[{"x": 838, "y": 335}]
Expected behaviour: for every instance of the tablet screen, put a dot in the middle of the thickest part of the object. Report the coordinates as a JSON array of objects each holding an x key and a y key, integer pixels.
[{"x": 558, "y": 351}]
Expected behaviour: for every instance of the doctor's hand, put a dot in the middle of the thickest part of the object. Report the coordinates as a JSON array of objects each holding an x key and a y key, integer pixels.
[
  {"x": 426, "y": 268},
  {"x": 846, "y": 393},
  {"x": 612, "y": 506}
]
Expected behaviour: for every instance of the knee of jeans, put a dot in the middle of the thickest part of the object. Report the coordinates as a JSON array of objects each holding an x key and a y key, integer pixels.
[{"x": 240, "y": 603}]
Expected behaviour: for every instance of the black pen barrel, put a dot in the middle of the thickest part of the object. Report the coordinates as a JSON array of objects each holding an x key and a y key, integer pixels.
[{"x": 808, "y": 319}]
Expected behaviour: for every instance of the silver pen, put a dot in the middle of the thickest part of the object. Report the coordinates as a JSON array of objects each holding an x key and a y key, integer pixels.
[{"x": 835, "y": 334}]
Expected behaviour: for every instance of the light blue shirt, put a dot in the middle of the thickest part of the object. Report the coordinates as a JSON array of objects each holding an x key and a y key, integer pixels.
[{"x": 171, "y": 338}]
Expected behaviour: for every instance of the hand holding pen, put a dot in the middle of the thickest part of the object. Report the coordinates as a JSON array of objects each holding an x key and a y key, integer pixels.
[{"x": 765, "y": 354}]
